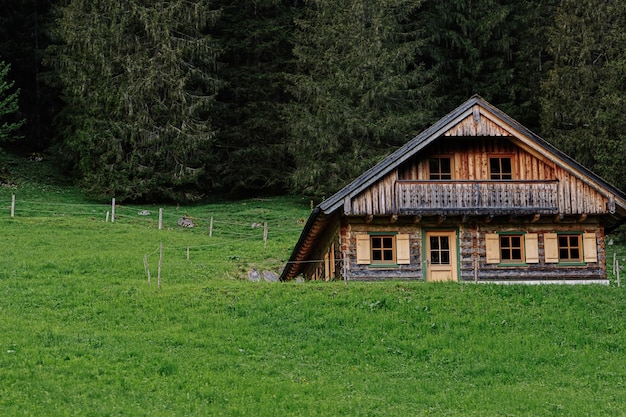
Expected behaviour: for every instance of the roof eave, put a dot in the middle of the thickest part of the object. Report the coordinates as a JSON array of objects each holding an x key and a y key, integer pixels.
[{"x": 300, "y": 252}]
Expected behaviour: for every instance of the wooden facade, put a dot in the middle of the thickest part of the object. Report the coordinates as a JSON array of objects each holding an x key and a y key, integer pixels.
[{"x": 476, "y": 197}]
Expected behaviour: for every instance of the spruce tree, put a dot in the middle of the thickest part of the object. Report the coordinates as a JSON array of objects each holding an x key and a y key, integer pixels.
[
  {"x": 257, "y": 44},
  {"x": 22, "y": 42},
  {"x": 138, "y": 81},
  {"x": 9, "y": 121},
  {"x": 584, "y": 96},
  {"x": 471, "y": 47},
  {"x": 359, "y": 88},
  {"x": 531, "y": 22}
]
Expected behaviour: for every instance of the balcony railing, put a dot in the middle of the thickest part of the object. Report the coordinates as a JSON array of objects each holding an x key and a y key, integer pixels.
[{"x": 477, "y": 197}]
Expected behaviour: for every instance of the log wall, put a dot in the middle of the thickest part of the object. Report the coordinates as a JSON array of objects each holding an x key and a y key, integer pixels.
[
  {"x": 473, "y": 249},
  {"x": 472, "y": 252},
  {"x": 413, "y": 271}
]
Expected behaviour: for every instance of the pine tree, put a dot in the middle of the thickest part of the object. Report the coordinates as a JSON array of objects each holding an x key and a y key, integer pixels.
[
  {"x": 359, "y": 88},
  {"x": 139, "y": 83},
  {"x": 584, "y": 96}
]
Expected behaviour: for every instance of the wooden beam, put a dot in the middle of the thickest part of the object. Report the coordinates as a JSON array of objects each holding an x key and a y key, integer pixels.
[
  {"x": 559, "y": 217},
  {"x": 476, "y": 114},
  {"x": 417, "y": 218},
  {"x": 535, "y": 218},
  {"x": 369, "y": 218},
  {"x": 465, "y": 218},
  {"x": 393, "y": 219},
  {"x": 347, "y": 205},
  {"x": 489, "y": 218},
  {"x": 582, "y": 218},
  {"x": 441, "y": 219}
]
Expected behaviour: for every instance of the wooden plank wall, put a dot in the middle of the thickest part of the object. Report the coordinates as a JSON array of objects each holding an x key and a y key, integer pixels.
[
  {"x": 328, "y": 256},
  {"x": 476, "y": 125},
  {"x": 576, "y": 197},
  {"x": 470, "y": 159},
  {"x": 377, "y": 200}
]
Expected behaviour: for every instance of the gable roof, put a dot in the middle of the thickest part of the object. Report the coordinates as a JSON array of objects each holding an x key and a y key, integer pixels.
[
  {"x": 498, "y": 124},
  {"x": 448, "y": 122}
]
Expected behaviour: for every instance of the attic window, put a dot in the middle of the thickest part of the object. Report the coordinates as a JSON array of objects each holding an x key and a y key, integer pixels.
[
  {"x": 500, "y": 168},
  {"x": 440, "y": 168}
]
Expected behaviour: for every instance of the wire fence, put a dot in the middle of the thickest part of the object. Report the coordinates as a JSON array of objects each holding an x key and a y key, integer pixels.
[
  {"x": 224, "y": 226},
  {"x": 150, "y": 216}
]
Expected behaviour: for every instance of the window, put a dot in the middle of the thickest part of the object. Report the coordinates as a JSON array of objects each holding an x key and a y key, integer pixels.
[
  {"x": 569, "y": 248},
  {"x": 439, "y": 250},
  {"x": 383, "y": 249},
  {"x": 511, "y": 249},
  {"x": 500, "y": 168},
  {"x": 574, "y": 248},
  {"x": 440, "y": 168}
]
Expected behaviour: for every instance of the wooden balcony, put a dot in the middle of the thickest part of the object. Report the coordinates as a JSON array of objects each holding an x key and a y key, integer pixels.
[{"x": 477, "y": 197}]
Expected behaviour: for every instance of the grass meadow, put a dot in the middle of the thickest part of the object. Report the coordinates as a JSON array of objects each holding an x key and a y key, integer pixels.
[{"x": 82, "y": 333}]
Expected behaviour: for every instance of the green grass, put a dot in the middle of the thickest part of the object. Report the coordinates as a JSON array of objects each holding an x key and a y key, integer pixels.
[{"x": 83, "y": 334}]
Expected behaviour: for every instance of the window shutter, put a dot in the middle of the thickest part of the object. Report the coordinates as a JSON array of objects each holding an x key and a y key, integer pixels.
[
  {"x": 403, "y": 256},
  {"x": 492, "y": 242},
  {"x": 532, "y": 248},
  {"x": 363, "y": 249},
  {"x": 590, "y": 248},
  {"x": 551, "y": 247}
]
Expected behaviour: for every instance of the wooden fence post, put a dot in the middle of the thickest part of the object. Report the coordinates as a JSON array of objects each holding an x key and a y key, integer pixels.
[
  {"x": 12, "y": 205},
  {"x": 113, "y": 211},
  {"x": 187, "y": 253},
  {"x": 160, "y": 262},
  {"x": 146, "y": 266},
  {"x": 211, "y": 228},
  {"x": 475, "y": 270},
  {"x": 160, "y": 218},
  {"x": 265, "y": 234}
]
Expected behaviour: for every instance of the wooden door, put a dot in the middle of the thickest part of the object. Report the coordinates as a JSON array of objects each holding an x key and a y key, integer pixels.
[{"x": 441, "y": 256}]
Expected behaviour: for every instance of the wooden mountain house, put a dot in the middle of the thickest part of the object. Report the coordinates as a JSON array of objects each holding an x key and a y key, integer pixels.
[{"x": 476, "y": 197}]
